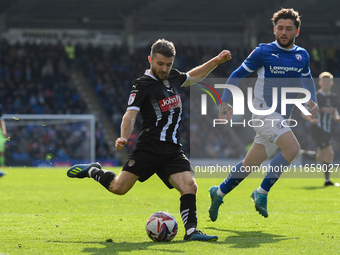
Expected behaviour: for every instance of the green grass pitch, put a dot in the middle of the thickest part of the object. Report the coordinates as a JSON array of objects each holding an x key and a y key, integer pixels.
[{"x": 42, "y": 211}]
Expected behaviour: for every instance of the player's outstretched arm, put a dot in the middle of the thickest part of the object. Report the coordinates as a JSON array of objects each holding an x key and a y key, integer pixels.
[
  {"x": 127, "y": 125},
  {"x": 200, "y": 72}
]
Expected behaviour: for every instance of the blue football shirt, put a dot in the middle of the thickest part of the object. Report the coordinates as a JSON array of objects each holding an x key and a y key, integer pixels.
[{"x": 276, "y": 67}]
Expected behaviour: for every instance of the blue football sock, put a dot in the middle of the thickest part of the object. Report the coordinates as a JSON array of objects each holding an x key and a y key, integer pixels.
[
  {"x": 276, "y": 167},
  {"x": 234, "y": 178}
]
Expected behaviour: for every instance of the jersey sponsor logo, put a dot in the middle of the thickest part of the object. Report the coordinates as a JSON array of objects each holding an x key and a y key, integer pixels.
[
  {"x": 284, "y": 69},
  {"x": 298, "y": 57},
  {"x": 170, "y": 103},
  {"x": 132, "y": 98}
]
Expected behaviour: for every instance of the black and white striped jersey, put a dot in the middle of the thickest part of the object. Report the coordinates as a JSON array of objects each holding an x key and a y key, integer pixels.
[
  {"x": 160, "y": 105},
  {"x": 327, "y": 105}
]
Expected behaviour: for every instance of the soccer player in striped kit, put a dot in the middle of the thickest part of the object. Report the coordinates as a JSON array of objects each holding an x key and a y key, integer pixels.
[
  {"x": 279, "y": 64},
  {"x": 156, "y": 95},
  {"x": 322, "y": 126}
]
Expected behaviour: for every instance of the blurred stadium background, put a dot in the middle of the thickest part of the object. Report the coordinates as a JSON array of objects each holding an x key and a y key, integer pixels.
[{"x": 80, "y": 57}]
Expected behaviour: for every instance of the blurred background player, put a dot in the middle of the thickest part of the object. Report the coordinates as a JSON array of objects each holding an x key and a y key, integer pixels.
[
  {"x": 279, "y": 64},
  {"x": 322, "y": 126},
  {"x": 3, "y": 137},
  {"x": 156, "y": 95}
]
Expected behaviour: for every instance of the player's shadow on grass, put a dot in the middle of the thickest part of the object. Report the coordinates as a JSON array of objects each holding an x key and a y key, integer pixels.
[
  {"x": 117, "y": 248},
  {"x": 312, "y": 187},
  {"x": 249, "y": 239}
]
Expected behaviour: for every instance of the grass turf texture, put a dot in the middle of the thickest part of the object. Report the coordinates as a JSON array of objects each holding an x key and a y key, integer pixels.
[{"x": 44, "y": 212}]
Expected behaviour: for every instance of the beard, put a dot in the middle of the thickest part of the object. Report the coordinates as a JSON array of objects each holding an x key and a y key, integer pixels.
[
  {"x": 285, "y": 45},
  {"x": 154, "y": 72}
]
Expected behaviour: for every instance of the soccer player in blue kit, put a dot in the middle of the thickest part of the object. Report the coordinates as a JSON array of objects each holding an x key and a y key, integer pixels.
[{"x": 278, "y": 64}]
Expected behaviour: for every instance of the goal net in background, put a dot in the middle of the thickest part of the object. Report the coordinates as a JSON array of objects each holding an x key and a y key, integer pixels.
[{"x": 49, "y": 140}]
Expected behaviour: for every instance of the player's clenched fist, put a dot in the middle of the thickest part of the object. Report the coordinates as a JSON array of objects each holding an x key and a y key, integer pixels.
[
  {"x": 120, "y": 143},
  {"x": 225, "y": 55},
  {"x": 314, "y": 108}
]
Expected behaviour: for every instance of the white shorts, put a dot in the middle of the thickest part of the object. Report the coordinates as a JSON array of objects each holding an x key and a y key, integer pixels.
[{"x": 268, "y": 129}]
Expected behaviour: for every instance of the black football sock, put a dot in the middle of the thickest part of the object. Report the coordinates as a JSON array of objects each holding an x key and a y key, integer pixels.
[
  {"x": 104, "y": 177},
  {"x": 188, "y": 212},
  {"x": 325, "y": 168}
]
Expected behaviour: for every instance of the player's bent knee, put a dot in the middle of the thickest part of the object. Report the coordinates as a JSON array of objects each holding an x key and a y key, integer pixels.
[
  {"x": 119, "y": 189},
  {"x": 295, "y": 151},
  {"x": 195, "y": 187},
  {"x": 191, "y": 187},
  {"x": 248, "y": 164},
  {"x": 330, "y": 153},
  {"x": 291, "y": 154},
  {"x": 188, "y": 187}
]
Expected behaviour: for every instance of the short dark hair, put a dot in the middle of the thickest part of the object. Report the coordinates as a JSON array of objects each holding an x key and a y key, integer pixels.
[
  {"x": 164, "y": 47},
  {"x": 287, "y": 14}
]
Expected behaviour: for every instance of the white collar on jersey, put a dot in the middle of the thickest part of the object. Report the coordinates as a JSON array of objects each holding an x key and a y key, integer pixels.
[
  {"x": 278, "y": 45},
  {"x": 147, "y": 72}
]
